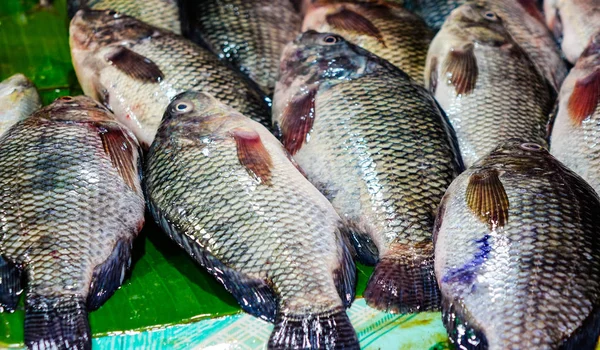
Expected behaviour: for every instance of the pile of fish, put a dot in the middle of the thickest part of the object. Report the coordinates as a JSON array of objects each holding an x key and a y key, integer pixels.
[{"x": 279, "y": 141}]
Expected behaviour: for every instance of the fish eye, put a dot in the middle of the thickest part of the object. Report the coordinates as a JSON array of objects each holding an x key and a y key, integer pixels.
[
  {"x": 113, "y": 13},
  {"x": 183, "y": 107},
  {"x": 330, "y": 39},
  {"x": 490, "y": 16},
  {"x": 529, "y": 146}
]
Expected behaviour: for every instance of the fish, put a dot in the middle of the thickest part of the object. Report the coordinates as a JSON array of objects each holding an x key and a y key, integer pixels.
[
  {"x": 517, "y": 253},
  {"x": 72, "y": 205},
  {"x": 486, "y": 83},
  {"x": 391, "y": 32},
  {"x": 434, "y": 12},
  {"x": 250, "y": 35},
  {"x": 377, "y": 145},
  {"x": 575, "y": 130},
  {"x": 18, "y": 99},
  {"x": 163, "y": 14},
  {"x": 574, "y": 23},
  {"x": 224, "y": 189},
  {"x": 136, "y": 69}
]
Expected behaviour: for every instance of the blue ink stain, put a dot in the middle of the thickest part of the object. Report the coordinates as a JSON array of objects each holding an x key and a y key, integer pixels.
[{"x": 466, "y": 273}]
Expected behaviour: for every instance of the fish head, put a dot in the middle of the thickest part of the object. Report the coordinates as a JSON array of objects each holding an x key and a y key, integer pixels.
[
  {"x": 322, "y": 57},
  {"x": 590, "y": 57},
  {"x": 518, "y": 154},
  {"x": 18, "y": 98},
  {"x": 477, "y": 22},
  {"x": 94, "y": 35}
]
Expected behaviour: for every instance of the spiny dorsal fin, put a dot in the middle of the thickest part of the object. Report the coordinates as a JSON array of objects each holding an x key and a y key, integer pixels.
[
  {"x": 461, "y": 66},
  {"x": 135, "y": 65},
  {"x": 585, "y": 98},
  {"x": 121, "y": 149},
  {"x": 351, "y": 21},
  {"x": 487, "y": 198},
  {"x": 253, "y": 155},
  {"x": 297, "y": 121}
]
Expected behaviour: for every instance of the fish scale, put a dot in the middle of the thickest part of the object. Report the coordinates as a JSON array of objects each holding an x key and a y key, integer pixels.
[
  {"x": 66, "y": 211},
  {"x": 184, "y": 66},
  {"x": 537, "y": 281},
  {"x": 274, "y": 241},
  {"x": 248, "y": 34}
]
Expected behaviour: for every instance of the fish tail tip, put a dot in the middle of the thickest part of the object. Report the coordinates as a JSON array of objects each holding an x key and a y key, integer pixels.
[
  {"x": 57, "y": 323},
  {"x": 328, "y": 330},
  {"x": 403, "y": 286}
]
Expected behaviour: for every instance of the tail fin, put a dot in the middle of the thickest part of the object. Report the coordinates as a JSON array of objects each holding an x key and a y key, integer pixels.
[
  {"x": 329, "y": 330},
  {"x": 403, "y": 284},
  {"x": 56, "y": 323}
]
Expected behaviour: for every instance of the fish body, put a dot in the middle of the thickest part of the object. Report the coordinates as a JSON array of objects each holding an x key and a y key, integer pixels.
[
  {"x": 376, "y": 144},
  {"x": 225, "y": 190},
  {"x": 163, "y": 14},
  {"x": 575, "y": 132},
  {"x": 488, "y": 86},
  {"x": 18, "y": 99},
  {"x": 248, "y": 34},
  {"x": 391, "y": 32},
  {"x": 434, "y": 12},
  {"x": 574, "y": 23},
  {"x": 71, "y": 204},
  {"x": 517, "y": 253},
  {"x": 136, "y": 69}
]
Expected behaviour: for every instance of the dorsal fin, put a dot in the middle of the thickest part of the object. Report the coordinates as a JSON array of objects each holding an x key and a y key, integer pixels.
[{"x": 253, "y": 155}]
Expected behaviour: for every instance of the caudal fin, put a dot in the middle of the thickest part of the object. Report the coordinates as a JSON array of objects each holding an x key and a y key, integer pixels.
[
  {"x": 403, "y": 284},
  {"x": 56, "y": 323},
  {"x": 329, "y": 330}
]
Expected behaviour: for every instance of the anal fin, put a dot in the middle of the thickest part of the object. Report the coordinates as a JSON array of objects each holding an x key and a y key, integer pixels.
[
  {"x": 345, "y": 274},
  {"x": 253, "y": 295},
  {"x": 363, "y": 247},
  {"x": 10, "y": 285},
  {"x": 461, "y": 332},
  {"x": 109, "y": 276}
]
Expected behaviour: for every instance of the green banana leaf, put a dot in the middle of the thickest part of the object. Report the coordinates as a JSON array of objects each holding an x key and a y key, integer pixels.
[{"x": 165, "y": 286}]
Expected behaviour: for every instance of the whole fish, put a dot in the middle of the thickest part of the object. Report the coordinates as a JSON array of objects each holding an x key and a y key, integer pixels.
[
  {"x": 136, "y": 69},
  {"x": 227, "y": 192},
  {"x": 71, "y": 205},
  {"x": 250, "y": 34},
  {"x": 517, "y": 254},
  {"x": 434, "y": 12},
  {"x": 486, "y": 83},
  {"x": 163, "y": 14},
  {"x": 574, "y": 23},
  {"x": 18, "y": 99},
  {"x": 391, "y": 32},
  {"x": 576, "y": 131},
  {"x": 376, "y": 144}
]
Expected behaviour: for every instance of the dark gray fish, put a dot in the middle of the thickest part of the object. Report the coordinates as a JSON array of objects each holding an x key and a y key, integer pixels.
[
  {"x": 227, "y": 192},
  {"x": 434, "y": 12},
  {"x": 136, "y": 69},
  {"x": 249, "y": 34},
  {"x": 517, "y": 254},
  {"x": 376, "y": 144},
  {"x": 71, "y": 205}
]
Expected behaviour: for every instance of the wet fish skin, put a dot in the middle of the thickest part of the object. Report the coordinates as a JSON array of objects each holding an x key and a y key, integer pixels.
[
  {"x": 575, "y": 132},
  {"x": 248, "y": 34},
  {"x": 517, "y": 253},
  {"x": 487, "y": 85},
  {"x": 574, "y": 23},
  {"x": 390, "y": 32},
  {"x": 18, "y": 99},
  {"x": 71, "y": 204},
  {"x": 375, "y": 143},
  {"x": 434, "y": 12},
  {"x": 225, "y": 190},
  {"x": 136, "y": 69},
  {"x": 163, "y": 14}
]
